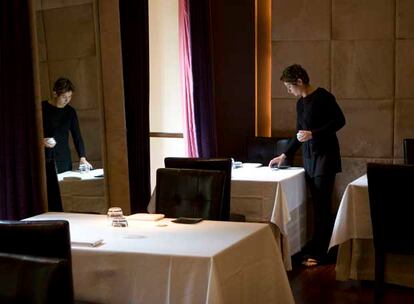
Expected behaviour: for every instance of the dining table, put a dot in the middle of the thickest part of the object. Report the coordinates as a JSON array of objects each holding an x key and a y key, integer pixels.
[
  {"x": 160, "y": 261},
  {"x": 352, "y": 234},
  {"x": 83, "y": 191},
  {"x": 270, "y": 195}
]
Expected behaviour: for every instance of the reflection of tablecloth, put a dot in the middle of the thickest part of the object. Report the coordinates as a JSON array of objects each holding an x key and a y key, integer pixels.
[
  {"x": 86, "y": 194},
  {"x": 209, "y": 262},
  {"x": 276, "y": 196},
  {"x": 353, "y": 233}
]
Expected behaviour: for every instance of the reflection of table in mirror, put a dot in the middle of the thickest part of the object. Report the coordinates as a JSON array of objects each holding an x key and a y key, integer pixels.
[{"x": 83, "y": 192}]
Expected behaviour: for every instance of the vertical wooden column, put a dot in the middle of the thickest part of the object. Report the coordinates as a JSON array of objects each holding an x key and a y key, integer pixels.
[
  {"x": 263, "y": 67},
  {"x": 37, "y": 101},
  {"x": 116, "y": 154}
]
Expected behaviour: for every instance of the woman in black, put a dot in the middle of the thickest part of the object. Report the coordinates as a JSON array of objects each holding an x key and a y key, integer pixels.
[
  {"x": 58, "y": 119},
  {"x": 319, "y": 117}
]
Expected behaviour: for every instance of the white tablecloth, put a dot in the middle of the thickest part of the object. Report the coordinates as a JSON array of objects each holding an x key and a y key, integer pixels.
[
  {"x": 276, "y": 196},
  {"x": 209, "y": 262},
  {"x": 353, "y": 233},
  {"x": 83, "y": 192},
  {"x": 353, "y": 220}
]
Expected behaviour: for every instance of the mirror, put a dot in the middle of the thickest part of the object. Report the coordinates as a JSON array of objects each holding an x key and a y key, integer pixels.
[{"x": 68, "y": 46}]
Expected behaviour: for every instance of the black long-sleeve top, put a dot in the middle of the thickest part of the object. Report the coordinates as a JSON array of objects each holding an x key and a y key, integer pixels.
[
  {"x": 319, "y": 113},
  {"x": 57, "y": 122}
]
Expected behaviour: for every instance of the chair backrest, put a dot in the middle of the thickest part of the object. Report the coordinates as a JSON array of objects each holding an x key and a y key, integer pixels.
[
  {"x": 408, "y": 144},
  {"x": 29, "y": 279},
  {"x": 221, "y": 164},
  {"x": 391, "y": 199},
  {"x": 263, "y": 149},
  {"x": 281, "y": 147},
  {"x": 190, "y": 193},
  {"x": 45, "y": 239}
]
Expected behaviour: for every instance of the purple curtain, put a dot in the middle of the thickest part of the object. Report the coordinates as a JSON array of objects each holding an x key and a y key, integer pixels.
[
  {"x": 135, "y": 60},
  {"x": 201, "y": 54},
  {"x": 190, "y": 136},
  {"x": 20, "y": 194}
]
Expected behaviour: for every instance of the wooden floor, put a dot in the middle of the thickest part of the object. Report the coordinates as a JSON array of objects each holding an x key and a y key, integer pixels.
[{"x": 317, "y": 285}]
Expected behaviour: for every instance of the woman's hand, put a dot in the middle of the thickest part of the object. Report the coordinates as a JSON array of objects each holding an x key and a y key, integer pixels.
[
  {"x": 304, "y": 135},
  {"x": 83, "y": 161},
  {"x": 49, "y": 142},
  {"x": 278, "y": 160}
]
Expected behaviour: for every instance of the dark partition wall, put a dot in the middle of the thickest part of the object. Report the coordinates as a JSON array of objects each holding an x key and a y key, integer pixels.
[{"x": 233, "y": 48}]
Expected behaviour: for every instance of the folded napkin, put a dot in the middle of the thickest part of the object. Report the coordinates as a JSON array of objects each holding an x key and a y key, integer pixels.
[
  {"x": 72, "y": 178},
  {"x": 87, "y": 242},
  {"x": 251, "y": 165},
  {"x": 146, "y": 216}
]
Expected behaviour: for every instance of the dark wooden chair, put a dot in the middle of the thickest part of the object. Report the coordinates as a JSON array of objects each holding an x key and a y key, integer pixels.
[
  {"x": 263, "y": 149},
  {"x": 391, "y": 199},
  {"x": 190, "y": 193},
  {"x": 408, "y": 144},
  {"x": 36, "y": 262},
  {"x": 31, "y": 279},
  {"x": 221, "y": 164},
  {"x": 44, "y": 240}
]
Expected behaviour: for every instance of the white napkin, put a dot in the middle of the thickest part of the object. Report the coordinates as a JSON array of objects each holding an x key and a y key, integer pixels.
[
  {"x": 146, "y": 216},
  {"x": 251, "y": 165},
  {"x": 87, "y": 242}
]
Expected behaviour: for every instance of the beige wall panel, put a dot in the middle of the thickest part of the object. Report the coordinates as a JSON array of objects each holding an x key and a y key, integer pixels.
[
  {"x": 90, "y": 125},
  {"x": 45, "y": 89},
  {"x": 352, "y": 168},
  {"x": 404, "y": 70},
  {"x": 50, "y": 4},
  {"x": 41, "y": 41},
  {"x": 367, "y": 19},
  {"x": 405, "y": 19},
  {"x": 404, "y": 124},
  {"x": 83, "y": 73},
  {"x": 301, "y": 20},
  {"x": 314, "y": 56},
  {"x": 77, "y": 24},
  {"x": 283, "y": 117},
  {"x": 88, "y": 87},
  {"x": 369, "y": 128},
  {"x": 363, "y": 69}
]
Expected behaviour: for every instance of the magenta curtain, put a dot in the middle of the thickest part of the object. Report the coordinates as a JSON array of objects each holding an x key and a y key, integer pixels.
[{"x": 186, "y": 75}]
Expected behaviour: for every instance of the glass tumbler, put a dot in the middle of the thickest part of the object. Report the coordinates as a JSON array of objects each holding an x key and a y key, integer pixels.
[{"x": 114, "y": 213}]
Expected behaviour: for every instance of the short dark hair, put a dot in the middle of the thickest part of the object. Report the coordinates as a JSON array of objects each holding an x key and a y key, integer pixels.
[
  {"x": 292, "y": 73},
  {"x": 63, "y": 85}
]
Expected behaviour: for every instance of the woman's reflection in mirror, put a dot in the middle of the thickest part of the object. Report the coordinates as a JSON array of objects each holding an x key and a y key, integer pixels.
[{"x": 59, "y": 118}]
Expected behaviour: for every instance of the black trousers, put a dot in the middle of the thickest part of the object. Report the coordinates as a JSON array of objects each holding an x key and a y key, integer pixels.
[
  {"x": 53, "y": 191},
  {"x": 64, "y": 165},
  {"x": 321, "y": 189}
]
